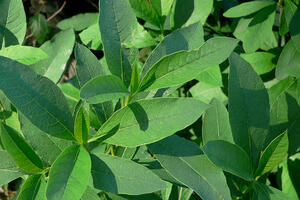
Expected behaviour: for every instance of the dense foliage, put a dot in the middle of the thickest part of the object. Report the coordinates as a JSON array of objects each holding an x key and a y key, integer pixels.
[{"x": 151, "y": 99}]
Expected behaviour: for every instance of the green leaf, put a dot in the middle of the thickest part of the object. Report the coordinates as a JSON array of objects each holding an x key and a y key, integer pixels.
[
  {"x": 81, "y": 125},
  {"x": 59, "y": 49},
  {"x": 71, "y": 93},
  {"x": 41, "y": 142},
  {"x": 249, "y": 109},
  {"x": 216, "y": 124},
  {"x": 40, "y": 27},
  {"x": 264, "y": 192},
  {"x": 19, "y": 150},
  {"x": 115, "y": 174},
  {"x": 12, "y": 23},
  {"x": 206, "y": 92},
  {"x": 103, "y": 88},
  {"x": 187, "y": 38},
  {"x": 273, "y": 155},
  {"x": 150, "y": 120},
  {"x": 38, "y": 98},
  {"x": 183, "y": 66},
  {"x": 229, "y": 157},
  {"x": 190, "y": 166},
  {"x": 69, "y": 174},
  {"x": 34, "y": 188},
  {"x": 212, "y": 76},
  {"x": 24, "y": 54},
  {"x": 257, "y": 30},
  {"x": 247, "y": 8},
  {"x": 91, "y": 37},
  {"x": 262, "y": 62},
  {"x": 79, "y": 22},
  {"x": 8, "y": 169},
  {"x": 90, "y": 194}
]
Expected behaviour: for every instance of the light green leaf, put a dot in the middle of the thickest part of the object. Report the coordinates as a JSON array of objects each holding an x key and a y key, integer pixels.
[
  {"x": 206, "y": 92},
  {"x": 59, "y": 49},
  {"x": 249, "y": 109},
  {"x": 79, "y": 22},
  {"x": 150, "y": 120},
  {"x": 247, "y": 8},
  {"x": 34, "y": 188},
  {"x": 69, "y": 174},
  {"x": 274, "y": 154},
  {"x": 90, "y": 194},
  {"x": 190, "y": 166},
  {"x": 114, "y": 174},
  {"x": 216, "y": 124},
  {"x": 12, "y": 23},
  {"x": 103, "y": 88},
  {"x": 38, "y": 98},
  {"x": 71, "y": 93},
  {"x": 183, "y": 66},
  {"x": 81, "y": 125},
  {"x": 262, "y": 62},
  {"x": 19, "y": 150},
  {"x": 24, "y": 54},
  {"x": 229, "y": 157},
  {"x": 91, "y": 37},
  {"x": 8, "y": 169},
  {"x": 187, "y": 38},
  {"x": 212, "y": 76}
]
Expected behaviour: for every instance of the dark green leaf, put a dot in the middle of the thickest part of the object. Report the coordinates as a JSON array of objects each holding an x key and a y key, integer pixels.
[
  {"x": 264, "y": 192},
  {"x": 81, "y": 125},
  {"x": 40, "y": 27},
  {"x": 34, "y": 188}
]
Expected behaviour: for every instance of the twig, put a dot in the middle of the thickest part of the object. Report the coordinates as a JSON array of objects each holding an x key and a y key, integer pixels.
[
  {"x": 57, "y": 12},
  {"x": 93, "y": 4}
]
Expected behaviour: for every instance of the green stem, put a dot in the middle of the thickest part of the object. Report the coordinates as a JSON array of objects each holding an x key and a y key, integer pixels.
[{"x": 213, "y": 28}]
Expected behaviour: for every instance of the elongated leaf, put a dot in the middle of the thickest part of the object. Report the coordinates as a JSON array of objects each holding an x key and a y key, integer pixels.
[
  {"x": 216, "y": 124},
  {"x": 150, "y": 120},
  {"x": 91, "y": 37},
  {"x": 19, "y": 150},
  {"x": 59, "y": 49},
  {"x": 183, "y": 66},
  {"x": 34, "y": 188},
  {"x": 38, "y": 98},
  {"x": 262, "y": 62},
  {"x": 69, "y": 174},
  {"x": 103, "y": 88},
  {"x": 221, "y": 152},
  {"x": 264, "y": 192},
  {"x": 114, "y": 174},
  {"x": 81, "y": 125},
  {"x": 24, "y": 54},
  {"x": 274, "y": 154},
  {"x": 190, "y": 166},
  {"x": 8, "y": 169},
  {"x": 12, "y": 23},
  {"x": 247, "y": 8},
  {"x": 79, "y": 22},
  {"x": 249, "y": 109},
  {"x": 187, "y": 38}
]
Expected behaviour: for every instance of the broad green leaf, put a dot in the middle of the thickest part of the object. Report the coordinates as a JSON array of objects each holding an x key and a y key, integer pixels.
[
  {"x": 247, "y": 8},
  {"x": 59, "y": 49},
  {"x": 12, "y": 23},
  {"x": 273, "y": 155},
  {"x": 150, "y": 120},
  {"x": 262, "y": 62},
  {"x": 91, "y": 37},
  {"x": 41, "y": 142},
  {"x": 264, "y": 192},
  {"x": 69, "y": 174},
  {"x": 212, "y": 76},
  {"x": 71, "y": 93},
  {"x": 115, "y": 174},
  {"x": 229, "y": 157},
  {"x": 249, "y": 109},
  {"x": 103, "y": 88},
  {"x": 79, "y": 22},
  {"x": 206, "y": 92},
  {"x": 24, "y": 54},
  {"x": 19, "y": 150},
  {"x": 81, "y": 125},
  {"x": 289, "y": 62},
  {"x": 216, "y": 124},
  {"x": 183, "y": 66},
  {"x": 40, "y": 27},
  {"x": 190, "y": 166},
  {"x": 38, "y": 98},
  {"x": 8, "y": 169},
  {"x": 187, "y": 38},
  {"x": 34, "y": 188},
  {"x": 151, "y": 196},
  {"x": 255, "y": 31},
  {"x": 90, "y": 194}
]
